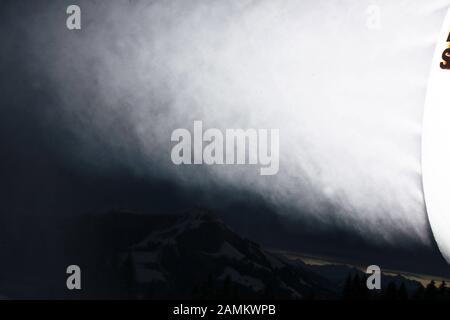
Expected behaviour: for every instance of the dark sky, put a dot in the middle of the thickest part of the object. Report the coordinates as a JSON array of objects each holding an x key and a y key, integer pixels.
[{"x": 50, "y": 175}]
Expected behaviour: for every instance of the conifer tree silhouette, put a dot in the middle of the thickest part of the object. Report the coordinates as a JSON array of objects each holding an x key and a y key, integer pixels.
[
  {"x": 391, "y": 292},
  {"x": 419, "y": 293},
  {"x": 402, "y": 294},
  {"x": 431, "y": 291},
  {"x": 346, "y": 292},
  {"x": 442, "y": 291}
]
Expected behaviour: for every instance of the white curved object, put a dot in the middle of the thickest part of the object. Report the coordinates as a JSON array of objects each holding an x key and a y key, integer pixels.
[{"x": 436, "y": 143}]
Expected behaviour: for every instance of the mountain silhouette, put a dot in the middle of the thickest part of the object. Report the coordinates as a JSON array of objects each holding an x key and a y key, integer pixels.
[{"x": 188, "y": 255}]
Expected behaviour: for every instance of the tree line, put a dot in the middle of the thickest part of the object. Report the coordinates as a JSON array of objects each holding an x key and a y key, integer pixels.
[{"x": 355, "y": 288}]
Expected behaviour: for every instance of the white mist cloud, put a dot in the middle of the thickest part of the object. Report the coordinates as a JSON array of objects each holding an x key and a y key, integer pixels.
[{"x": 348, "y": 100}]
